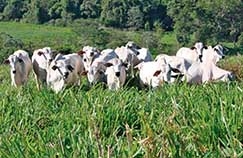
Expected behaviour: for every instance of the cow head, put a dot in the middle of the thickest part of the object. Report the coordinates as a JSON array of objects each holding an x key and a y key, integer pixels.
[
  {"x": 16, "y": 63},
  {"x": 219, "y": 50},
  {"x": 96, "y": 73}
]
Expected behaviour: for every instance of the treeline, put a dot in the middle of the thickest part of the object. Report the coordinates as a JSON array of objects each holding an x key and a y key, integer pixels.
[{"x": 192, "y": 20}]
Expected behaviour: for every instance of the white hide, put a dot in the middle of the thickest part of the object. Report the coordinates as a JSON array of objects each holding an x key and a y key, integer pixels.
[
  {"x": 41, "y": 59},
  {"x": 143, "y": 54},
  {"x": 154, "y": 73},
  {"x": 20, "y": 67},
  {"x": 96, "y": 71},
  {"x": 175, "y": 62},
  {"x": 88, "y": 55},
  {"x": 115, "y": 74},
  {"x": 207, "y": 70},
  {"x": 65, "y": 70},
  {"x": 191, "y": 54}
]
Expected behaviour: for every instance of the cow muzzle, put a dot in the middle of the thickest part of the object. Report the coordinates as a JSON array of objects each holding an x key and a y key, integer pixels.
[
  {"x": 65, "y": 76},
  {"x": 118, "y": 74}
]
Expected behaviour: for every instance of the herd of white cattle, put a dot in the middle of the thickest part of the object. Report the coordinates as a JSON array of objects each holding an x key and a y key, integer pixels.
[{"x": 194, "y": 65}]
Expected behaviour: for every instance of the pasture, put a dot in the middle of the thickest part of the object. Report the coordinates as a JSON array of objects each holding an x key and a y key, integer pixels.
[{"x": 177, "y": 120}]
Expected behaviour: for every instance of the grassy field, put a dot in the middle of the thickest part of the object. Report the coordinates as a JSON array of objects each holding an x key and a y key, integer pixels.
[
  {"x": 172, "y": 121},
  {"x": 39, "y": 35}
]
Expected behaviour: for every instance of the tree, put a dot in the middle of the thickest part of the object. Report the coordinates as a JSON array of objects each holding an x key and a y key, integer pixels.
[
  {"x": 90, "y": 8},
  {"x": 135, "y": 18},
  {"x": 14, "y": 10},
  {"x": 114, "y": 13},
  {"x": 3, "y": 4}
]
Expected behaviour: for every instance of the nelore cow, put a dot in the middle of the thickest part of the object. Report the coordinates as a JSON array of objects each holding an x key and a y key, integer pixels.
[
  {"x": 207, "y": 70},
  {"x": 176, "y": 63},
  {"x": 155, "y": 73},
  {"x": 193, "y": 54},
  {"x": 115, "y": 74},
  {"x": 41, "y": 59},
  {"x": 96, "y": 71},
  {"x": 65, "y": 70},
  {"x": 20, "y": 67}
]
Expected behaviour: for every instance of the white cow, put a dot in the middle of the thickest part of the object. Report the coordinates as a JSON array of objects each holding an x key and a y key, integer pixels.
[
  {"x": 175, "y": 62},
  {"x": 41, "y": 59},
  {"x": 191, "y": 54},
  {"x": 96, "y": 71},
  {"x": 88, "y": 54},
  {"x": 128, "y": 57},
  {"x": 115, "y": 74},
  {"x": 20, "y": 64},
  {"x": 65, "y": 70},
  {"x": 154, "y": 73},
  {"x": 207, "y": 70},
  {"x": 143, "y": 54}
]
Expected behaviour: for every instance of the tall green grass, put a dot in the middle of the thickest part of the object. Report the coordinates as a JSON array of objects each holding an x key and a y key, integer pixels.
[{"x": 172, "y": 121}]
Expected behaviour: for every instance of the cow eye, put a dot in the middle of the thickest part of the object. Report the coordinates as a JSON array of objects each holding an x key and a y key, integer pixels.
[{"x": 54, "y": 67}]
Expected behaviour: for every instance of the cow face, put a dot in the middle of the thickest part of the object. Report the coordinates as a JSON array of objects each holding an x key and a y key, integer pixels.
[
  {"x": 220, "y": 51},
  {"x": 16, "y": 64},
  {"x": 64, "y": 70},
  {"x": 96, "y": 73},
  {"x": 199, "y": 48},
  {"x": 46, "y": 53}
]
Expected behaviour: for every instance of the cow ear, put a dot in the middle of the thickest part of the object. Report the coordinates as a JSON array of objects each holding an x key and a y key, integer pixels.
[
  {"x": 54, "y": 67},
  {"x": 157, "y": 73},
  {"x": 40, "y": 53},
  {"x": 108, "y": 64},
  {"x": 81, "y": 52},
  {"x": 6, "y": 61},
  {"x": 20, "y": 60},
  {"x": 192, "y": 48},
  {"x": 70, "y": 68}
]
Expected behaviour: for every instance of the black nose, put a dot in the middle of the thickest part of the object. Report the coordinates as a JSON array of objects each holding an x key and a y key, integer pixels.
[
  {"x": 117, "y": 74},
  {"x": 14, "y": 71},
  {"x": 66, "y": 74}
]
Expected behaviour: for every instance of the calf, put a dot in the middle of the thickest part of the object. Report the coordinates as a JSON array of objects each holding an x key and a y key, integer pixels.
[{"x": 20, "y": 67}]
